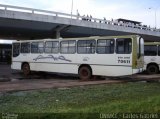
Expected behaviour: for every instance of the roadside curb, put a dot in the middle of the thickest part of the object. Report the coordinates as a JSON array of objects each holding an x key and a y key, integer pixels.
[{"x": 5, "y": 79}]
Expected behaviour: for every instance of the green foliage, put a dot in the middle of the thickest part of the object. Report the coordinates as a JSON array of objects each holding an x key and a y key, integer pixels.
[{"x": 84, "y": 101}]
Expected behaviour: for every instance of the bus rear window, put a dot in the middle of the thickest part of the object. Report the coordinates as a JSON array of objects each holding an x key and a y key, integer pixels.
[
  {"x": 150, "y": 50},
  {"x": 16, "y": 49}
]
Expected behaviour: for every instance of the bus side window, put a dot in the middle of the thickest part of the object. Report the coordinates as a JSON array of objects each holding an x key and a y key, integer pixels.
[
  {"x": 123, "y": 46},
  {"x": 68, "y": 47},
  {"x": 158, "y": 50},
  {"x": 37, "y": 47},
  {"x": 105, "y": 46},
  {"x": 51, "y": 47},
  {"x": 16, "y": 49},
  {"x": 34, "y": 47},
  {"x": 25, "y": 47},
  {"x": 48, "y": 47},
  {"x": 150, "y": 50},
  {"x": 55, "y": 47},
  {"x": 86, "y": 46},
  {"x": 40, "y": 47}
]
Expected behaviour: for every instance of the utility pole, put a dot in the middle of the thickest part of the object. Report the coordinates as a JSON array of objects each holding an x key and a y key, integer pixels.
[
  {"x": 155, "y": 14},
  {"x": 71, "y": 9}
]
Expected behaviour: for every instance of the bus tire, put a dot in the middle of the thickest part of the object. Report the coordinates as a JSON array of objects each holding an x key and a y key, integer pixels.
[
  {"x": 152, "y": 69},
  {"x": 85, "y": 73},
  {"x": 26, "y": 69}
]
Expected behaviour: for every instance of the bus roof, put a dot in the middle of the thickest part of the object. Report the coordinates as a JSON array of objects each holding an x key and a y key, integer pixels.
[
  {"x": 81, "y": 38},
  {"x": 151, "y": 43}
]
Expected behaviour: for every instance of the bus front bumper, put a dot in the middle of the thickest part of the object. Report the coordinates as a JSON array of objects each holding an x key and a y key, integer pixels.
[{"x": 135, "y": 71}]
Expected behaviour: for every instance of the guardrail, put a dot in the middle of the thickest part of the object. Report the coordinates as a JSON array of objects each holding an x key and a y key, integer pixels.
[{"x": 71, "y": 16}]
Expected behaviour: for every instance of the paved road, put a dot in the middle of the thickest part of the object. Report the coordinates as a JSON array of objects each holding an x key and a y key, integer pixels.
[
  {"x": 45, "y": 84},
  {"x": 5, "y": 70},
  {"x": 17, "y": 82}
]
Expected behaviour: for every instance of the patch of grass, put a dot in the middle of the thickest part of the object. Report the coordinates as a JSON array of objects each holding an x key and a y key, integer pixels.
[{"x": 114, "y": 98}]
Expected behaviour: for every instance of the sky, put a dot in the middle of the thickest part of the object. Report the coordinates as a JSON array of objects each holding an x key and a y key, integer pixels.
[{"x": 137, "y": 10}]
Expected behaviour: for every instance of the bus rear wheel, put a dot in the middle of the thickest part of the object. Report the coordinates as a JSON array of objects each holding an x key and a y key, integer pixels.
[
  {"x": 85, "y": 73},
  {"x": 152, "y": 69},
  {"x": 26, "y": 69}
]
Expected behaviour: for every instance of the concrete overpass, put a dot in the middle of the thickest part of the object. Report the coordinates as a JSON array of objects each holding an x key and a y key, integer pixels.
[{"x": 27, "y": 23}]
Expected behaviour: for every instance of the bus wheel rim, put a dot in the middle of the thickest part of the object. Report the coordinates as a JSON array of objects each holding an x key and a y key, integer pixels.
[
  {"x": 26, "y": 69},
  {"x": 152, "y": 69},
  {"x": 84, "y": 73}
]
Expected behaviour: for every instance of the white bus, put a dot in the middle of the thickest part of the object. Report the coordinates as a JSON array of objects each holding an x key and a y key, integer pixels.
[
  {"x": 152, "y": 57},
  {"x": 88, "y": 56}
]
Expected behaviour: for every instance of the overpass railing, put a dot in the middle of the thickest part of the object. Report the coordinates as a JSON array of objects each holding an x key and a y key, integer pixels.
[{"x": 78, "y": 17}]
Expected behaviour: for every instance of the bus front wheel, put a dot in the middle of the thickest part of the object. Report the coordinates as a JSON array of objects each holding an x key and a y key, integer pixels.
[
  {"x": 85, "y": 73},
  {"x": 152, "y": 69},
  {"x": 26, "y": 69}
]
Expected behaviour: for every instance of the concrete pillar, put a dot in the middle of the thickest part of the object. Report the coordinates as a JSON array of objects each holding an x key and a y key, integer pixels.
[
  {"x": 58, "y": 34},
  {"x": 58, "y": 29}
]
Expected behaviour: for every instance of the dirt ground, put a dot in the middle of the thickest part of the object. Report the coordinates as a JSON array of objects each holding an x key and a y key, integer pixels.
[{"x": 15, "y": 81}]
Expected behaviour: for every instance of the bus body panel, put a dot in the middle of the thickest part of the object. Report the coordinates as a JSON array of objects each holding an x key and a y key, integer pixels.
[
  {"x": 153, "y": 57},
  {"x": 101, "y": 64},
  {"x": 16, "y": 65},
  {"x": 105, "y": 65}
]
